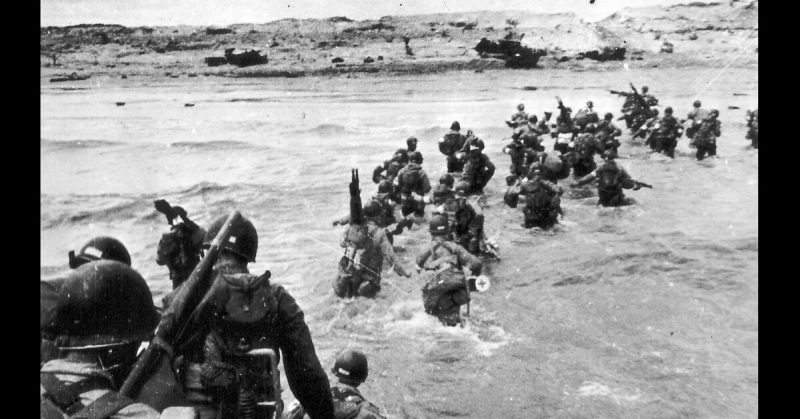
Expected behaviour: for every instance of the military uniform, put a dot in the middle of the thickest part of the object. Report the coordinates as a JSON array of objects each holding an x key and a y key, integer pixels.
[
  {"x": 445, "y": 288},
  {"x": 752, "y": 128},
  {"x": 612, "y": 178},
  {"x": 542, "y": 203},
  {"x": 360, "y": 267},
  {"x": 607, "y": 133},
  {"x": 667, "y": 135},
  {"x": 478, "y": 170},
  {"x": 466, "y": 221},
  {"x": 582, "y": 160},
  {"x": 449, "y": 145},
  {"x": 705, "y": 139},
  {"x": 412, "y": 185}
]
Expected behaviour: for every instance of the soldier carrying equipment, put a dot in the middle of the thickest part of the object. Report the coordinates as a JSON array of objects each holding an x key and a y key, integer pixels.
[{"x": 179, "y": 249}]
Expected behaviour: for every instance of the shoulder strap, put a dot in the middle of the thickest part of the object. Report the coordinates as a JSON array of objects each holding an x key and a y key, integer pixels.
[
  {"x": 104, "y": 407},
  {"x": 66, "y": 396}
]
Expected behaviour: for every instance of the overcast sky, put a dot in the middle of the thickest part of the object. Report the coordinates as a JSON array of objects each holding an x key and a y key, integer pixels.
[{"x": 221, "y": 12}]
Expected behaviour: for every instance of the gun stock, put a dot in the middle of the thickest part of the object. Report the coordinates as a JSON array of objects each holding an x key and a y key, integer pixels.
[{"x": 175, "y": 320}]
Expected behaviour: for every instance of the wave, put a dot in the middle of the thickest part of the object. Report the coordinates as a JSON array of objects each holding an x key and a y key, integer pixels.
[
  {"x": 77, "y": 144},
  {"x": 327, "y": 129},
  {"x": 213, "y": 145}
]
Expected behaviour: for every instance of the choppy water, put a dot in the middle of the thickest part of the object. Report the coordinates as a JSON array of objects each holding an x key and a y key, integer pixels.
[{"x": 645, "y": 311}]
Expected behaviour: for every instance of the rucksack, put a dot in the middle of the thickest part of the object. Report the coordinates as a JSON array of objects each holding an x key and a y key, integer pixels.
[
  {"x": 608, "y": 177},
  {"x": 442, "y": 276},
  {"x": 411, "y": 180}
]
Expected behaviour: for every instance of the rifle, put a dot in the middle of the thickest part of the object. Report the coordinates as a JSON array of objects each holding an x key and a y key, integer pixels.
[
  {"x": 642, "y": 184},
  {"x": 618, "y": 93},
  {"x": 356, "y": 215},
  {"x": 186, "y": 304}
]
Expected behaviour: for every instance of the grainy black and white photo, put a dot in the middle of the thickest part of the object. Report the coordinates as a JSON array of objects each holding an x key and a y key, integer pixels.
[{"x": 294, "y": 209}]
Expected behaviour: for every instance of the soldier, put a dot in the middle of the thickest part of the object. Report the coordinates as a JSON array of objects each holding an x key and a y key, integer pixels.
[
  {"x": 518, "y": 118},
  {"x": 521, "y": 158},
  {"x": 542, "y": 200},
  {"x": 412, "y": 185},
  {"x": 351, "y": 369},
  {"x": 365, "y": 246},
  {"x": 466, "y": 220},
  {"x": 565, "y": 128},
  {"x": 667, "y": 133},
  {"x": 649, "y": 99},
  {"x": 104, "y": 310},
  {"x": 543, "y": 125},
  {"x": 478, "y": 169},
  {"x": 529, "y": 134},
  {"x": 442, "y": 262},
  {"x": 179, "y": 249},
  {"x": 581, "y": 157},
  {"x": 752, "y": 128},
  {"x": 242, "y": 314},
  {"x": 648, "y": 129},
  {"x": 612, "y": 178},
  {"x": 586, "y": 116},
  {"x": 389, "y": 212},
  {"x": 705, "y": 138},
  {"x": 695, "y": 118},
  {"x": 607, "y": 133},
  {"x": 450, "y": 145},
  {"x": 98, "y": 248},
  {"x": 411, "y": 142},
  {"x": 392, "y": 166}
]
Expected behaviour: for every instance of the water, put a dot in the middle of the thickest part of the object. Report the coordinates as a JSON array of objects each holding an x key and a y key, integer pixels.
[{"x": 649, "y": 310}]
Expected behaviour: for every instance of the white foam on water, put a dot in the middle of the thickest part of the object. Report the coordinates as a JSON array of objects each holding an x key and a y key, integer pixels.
[{"x": 591, "y": 388}]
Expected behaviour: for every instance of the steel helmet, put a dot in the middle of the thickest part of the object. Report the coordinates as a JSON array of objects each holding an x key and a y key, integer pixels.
[
  {"x": 568, "y": 109},
  {"x": 372, "y": 208},
  {"x": 101, "y": 247},
  {"x": 446, "y": 179},
  {"x": 351, "y": 365},
  {"x": 411, "y": 140},
  {"x": 441, "y": 191},
  {"x": 462, "y": 188},
  {"x": 645, "y": 89},
  {"x": 521, "y": 106},
  {"x": 591, "y": 127},
  {"x": 243, "y": 240},
  {"x": 608, "y": 115},
  {"x": 589, "y": 104},
  {"x": 668, "y": 110},
  {"x": 455, "y": 126},
  {"x": 533, "y": 119},
  {"x": 696, "y": 104},
  {"x": 415, "y": 156},
  {"x": 385, "y": 186},
  {"x": 536, "y": 169},
  {"x": 439, "y": 225},
  {"x": 714, "y": 112},
  {"x": 100, "y": 304},
  {"x": 610, "y": 154}
]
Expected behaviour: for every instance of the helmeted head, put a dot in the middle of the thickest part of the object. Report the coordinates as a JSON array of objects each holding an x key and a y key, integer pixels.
[
  {"x": 462, "y": 189},
  {"x": 697, "y": 104},
  {"x": 101, "y": 247},
  {"x": 473, "y": 151},
  {"x": 537, "y": 169},
  {"x": 547, "y": 115},
  {"x": 645, "y": 89},
  {"x": 439, "y": 225},
  {"x": 411, "y": 142},
  {"x": 372, "y": 209},
  {"x": 351, "y": 367},
  {"x": 102, "y": 304},
  {"x": 714, "y": 113},
  {"x": 455, "y": 126},
  {"x": 415, "y": 157},
  {"x": 242, "y": 242},
  {"x": 589, "y": 104},
  {"x": 668, "y": 110},
  {"x": 609, "y": 155},
  {"x": 441, "y": 193},
  {"x": 401, "y": 155},
  {"x": 533, "y": 119},
  {"x": 446, "y": 179},
  {"x": 654, "y": 112},
  {"x": 385, "y": 186},
  {"x": 591, "y": 127},
  {"x": 568, "y": 109},
  {"x": 521, "y": 107},
  {"x": 608, "y": 116}
]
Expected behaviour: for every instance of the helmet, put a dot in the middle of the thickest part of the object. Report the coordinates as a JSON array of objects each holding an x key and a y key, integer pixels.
[
  {"x": 455, "y": 126},
  {"x": 714, "y": 112},
  {"x": 696, "y": 104},
  {"x": 533, "y": 119},
  {"x": 385, "y": 186},
  {"x": 609, "y": 154},
  {"x": 668, "y": 110},
  {"x": 589, "y": 104},
  {"x": 101, "y": 247},
  {"x": 446, "y": 179},
  {"x": 415, "y": 156},
  {"x": 591, "y": 127},
  {"x": 351, "y": 365},
  {"x": 608, "y": 115},
  {"x": 101, "y": 304},
  {"x": 372, "y": 208},
  {"x": 536, "y": 169},
  {"x": 645, "y": 89},
  {"x": 462, "y": 188},
  {"x": 568, "y": 109},
  {"x": 548, "y": 114},
  {"x": 654, "y": 111},
  {"x": 401, "y": 154},
  {"x": 521, "y": 106},
  {"x": 439, "y": 225},
  {"x": 441, "y": 193},
  {"x": 243, "y": 240},
  {"x": 411, "y": 140}
]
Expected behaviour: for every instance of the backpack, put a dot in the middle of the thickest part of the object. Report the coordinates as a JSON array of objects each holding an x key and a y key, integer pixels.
[
  {"x": 442, "y": 276},
  {"x": 449, "y": 144},
  {"x": 608, "y": 177},
  {"x": 411, "y": 180}
]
